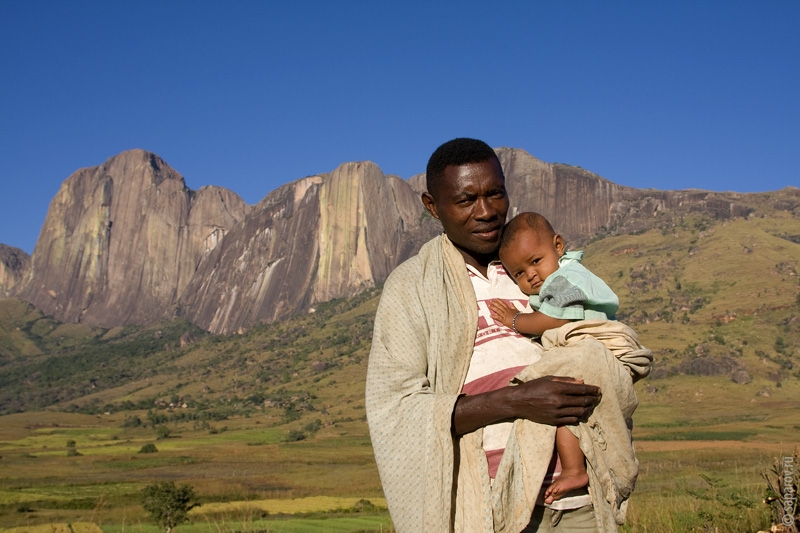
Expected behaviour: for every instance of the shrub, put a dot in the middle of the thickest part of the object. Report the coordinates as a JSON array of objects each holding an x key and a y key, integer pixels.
[
  {"x": 148, "y": 448},
  {"x": 132, "y": 422},
  {"x": 313, "y": 427},
  {"x": 295, "y": 435},
  {"x": 781, "y": 493}
]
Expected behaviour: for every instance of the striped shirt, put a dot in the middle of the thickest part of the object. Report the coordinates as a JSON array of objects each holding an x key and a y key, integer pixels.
[{"x": 499, "y": 353}]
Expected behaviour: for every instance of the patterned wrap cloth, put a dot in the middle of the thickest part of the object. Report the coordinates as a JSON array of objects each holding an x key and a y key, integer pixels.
[{"x": 421, "y": 348}]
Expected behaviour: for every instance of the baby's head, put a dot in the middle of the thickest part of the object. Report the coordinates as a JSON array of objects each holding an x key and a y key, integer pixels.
[{"x": 530, "y": 250}]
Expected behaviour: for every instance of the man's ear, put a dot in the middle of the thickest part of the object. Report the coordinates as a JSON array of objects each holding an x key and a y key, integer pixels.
[
  {"x": 558, "y": 242},
  {"x": 430, "y": 205}
]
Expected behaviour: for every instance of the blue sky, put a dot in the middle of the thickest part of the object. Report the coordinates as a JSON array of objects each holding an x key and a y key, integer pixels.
[{"x": 250, "y": 95}]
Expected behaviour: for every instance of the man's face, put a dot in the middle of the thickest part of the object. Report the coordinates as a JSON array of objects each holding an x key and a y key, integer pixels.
[
  {"x": 471, "y": 203},
  {"x": 530, "y": 258}
]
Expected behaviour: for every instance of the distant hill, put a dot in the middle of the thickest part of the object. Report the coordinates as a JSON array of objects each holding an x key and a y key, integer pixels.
[
  {"x": 127, "y": 243},
  {"x": 711, "y": 296}
]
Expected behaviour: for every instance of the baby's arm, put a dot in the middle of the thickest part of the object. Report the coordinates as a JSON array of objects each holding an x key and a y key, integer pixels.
[{"x": 534, "y": 323}]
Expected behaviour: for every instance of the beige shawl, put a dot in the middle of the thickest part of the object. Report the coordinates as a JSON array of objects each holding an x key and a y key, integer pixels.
[
  {"x": 421, "y": 347},
  {"x": 606, "y": 354}
]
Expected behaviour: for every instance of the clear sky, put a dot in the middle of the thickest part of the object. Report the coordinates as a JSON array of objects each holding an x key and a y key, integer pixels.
[{"x": 249, "y": 95}]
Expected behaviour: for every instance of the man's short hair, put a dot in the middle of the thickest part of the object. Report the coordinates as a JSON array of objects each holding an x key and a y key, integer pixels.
[
  {"x": 459, "y": 151},
  {"x": 528, "y": 220}
]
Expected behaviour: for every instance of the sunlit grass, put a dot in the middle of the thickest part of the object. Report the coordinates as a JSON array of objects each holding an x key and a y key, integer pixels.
[
  {"x": 692, "y": 489},
  {"x": 72, "y": 527},
  {"x": 313, "y": 504}
]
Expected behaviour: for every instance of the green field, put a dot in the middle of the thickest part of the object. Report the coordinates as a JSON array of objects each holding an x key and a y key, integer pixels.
[
  {"x": 269, "y": 429},
  {"x": 702, "y": 451}
]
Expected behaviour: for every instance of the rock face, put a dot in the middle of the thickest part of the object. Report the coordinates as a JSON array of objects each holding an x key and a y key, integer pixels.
[
  {"x": 576, "y": 202},
  {"x": 13, "y": 265},
  {"x": 128, "y": 243},
  {"x": 580, "y": 204},
  {"x": 312, "y": 240},
  {"x": 122, "y": 240}
]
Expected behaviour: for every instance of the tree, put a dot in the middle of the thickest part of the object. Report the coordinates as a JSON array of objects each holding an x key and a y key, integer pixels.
[
  {"x": 168, "y": 504},
  {"x": 162, "y": 432}
]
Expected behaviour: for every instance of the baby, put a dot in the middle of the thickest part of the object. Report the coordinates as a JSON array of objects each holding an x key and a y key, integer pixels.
[{"x": 561, "y": 290}]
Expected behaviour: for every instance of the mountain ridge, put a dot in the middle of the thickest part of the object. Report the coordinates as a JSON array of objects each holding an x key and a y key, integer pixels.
[{"x": 127, "y": 242}]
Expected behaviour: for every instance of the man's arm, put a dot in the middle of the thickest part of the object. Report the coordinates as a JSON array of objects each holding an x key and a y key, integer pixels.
[{"x": 550, "y": 400}]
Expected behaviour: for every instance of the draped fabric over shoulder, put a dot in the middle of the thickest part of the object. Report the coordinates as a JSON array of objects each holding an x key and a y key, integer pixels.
[
  {"x": 607, "y": 354},
  {"x": 421, "y": 348}
]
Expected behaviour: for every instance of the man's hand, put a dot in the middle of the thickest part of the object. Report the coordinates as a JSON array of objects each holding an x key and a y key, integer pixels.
[
  {"x": 554, "y": 400},
  {"x": 551, "y": 400},
  {"x": 502, "y": 312}
]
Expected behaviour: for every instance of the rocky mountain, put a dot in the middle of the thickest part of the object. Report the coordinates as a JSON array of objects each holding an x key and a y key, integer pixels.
[
  {"x": 13, "y": 265},
  {"x": 128, "y": 243},
  {"x": 312, "y": 240},
  {"x": 122, "y": 240},
  {"x": 581, "y": 204}
]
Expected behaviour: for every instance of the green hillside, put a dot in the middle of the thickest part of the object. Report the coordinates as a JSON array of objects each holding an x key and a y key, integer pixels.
[
  {"x": 74, "y": 368},
  {"x": 278, "y": 412},
  {"x": 725, "y": 294}
]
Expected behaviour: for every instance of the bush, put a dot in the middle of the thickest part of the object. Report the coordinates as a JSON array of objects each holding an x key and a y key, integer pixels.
[
  {"x": 148, "y": 448},
  {"x": 313, "y": 427},
  {"x": 363, "y": 505},
  {"x": 132, "y": 422},
  {"x": 781, "y": 492},
  {"x": 295, "y": 435}
]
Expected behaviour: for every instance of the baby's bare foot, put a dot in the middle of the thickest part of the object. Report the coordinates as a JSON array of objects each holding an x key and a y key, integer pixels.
[{"x": 565, "y": 483}]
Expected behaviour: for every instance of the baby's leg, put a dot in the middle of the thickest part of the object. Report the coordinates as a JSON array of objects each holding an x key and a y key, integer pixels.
[{"x": 573, "y": 466}]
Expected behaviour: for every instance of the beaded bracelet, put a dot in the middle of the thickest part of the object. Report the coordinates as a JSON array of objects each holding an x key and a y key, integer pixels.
[{"x": 514, "y": 322}]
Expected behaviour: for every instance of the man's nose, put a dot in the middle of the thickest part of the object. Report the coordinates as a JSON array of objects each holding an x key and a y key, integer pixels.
[{"x": 483, "y": 209}]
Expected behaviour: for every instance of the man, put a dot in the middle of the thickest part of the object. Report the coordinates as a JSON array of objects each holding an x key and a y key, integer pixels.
[{"x": 435, "y": 418}]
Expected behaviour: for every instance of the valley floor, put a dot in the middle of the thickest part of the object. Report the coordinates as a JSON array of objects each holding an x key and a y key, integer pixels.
[{"x": 703, "y": 445}]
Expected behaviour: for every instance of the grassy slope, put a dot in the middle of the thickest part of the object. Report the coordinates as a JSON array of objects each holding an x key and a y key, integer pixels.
[{"x": 708, "y": 298}]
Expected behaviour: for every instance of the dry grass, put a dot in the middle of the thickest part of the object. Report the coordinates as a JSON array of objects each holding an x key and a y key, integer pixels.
[{"x": 702, "y": 440}]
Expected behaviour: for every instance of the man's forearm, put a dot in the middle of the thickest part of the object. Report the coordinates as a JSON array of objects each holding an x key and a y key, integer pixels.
[
  {"x": 549, "y": 400},
  {"x": 480, "y": 410}
]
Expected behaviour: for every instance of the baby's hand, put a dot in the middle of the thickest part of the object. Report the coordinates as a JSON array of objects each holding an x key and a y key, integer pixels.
[{"x": 502, "y": 312}]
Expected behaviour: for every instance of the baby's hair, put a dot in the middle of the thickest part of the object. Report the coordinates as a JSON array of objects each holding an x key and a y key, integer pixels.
[{"x": 527, "y": 220}]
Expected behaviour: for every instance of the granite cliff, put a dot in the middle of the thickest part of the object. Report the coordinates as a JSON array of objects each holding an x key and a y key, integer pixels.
[
  {"x": 122, "y": 240},
  {"x": 128, "y": 243},
  {"x": 13, "y": 265},
  {"x": 581, "y": 204},
  {"x": 312, "y": 240}
]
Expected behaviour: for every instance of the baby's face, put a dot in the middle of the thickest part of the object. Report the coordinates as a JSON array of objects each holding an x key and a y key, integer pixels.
[{"x": 530, "y": 258}]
